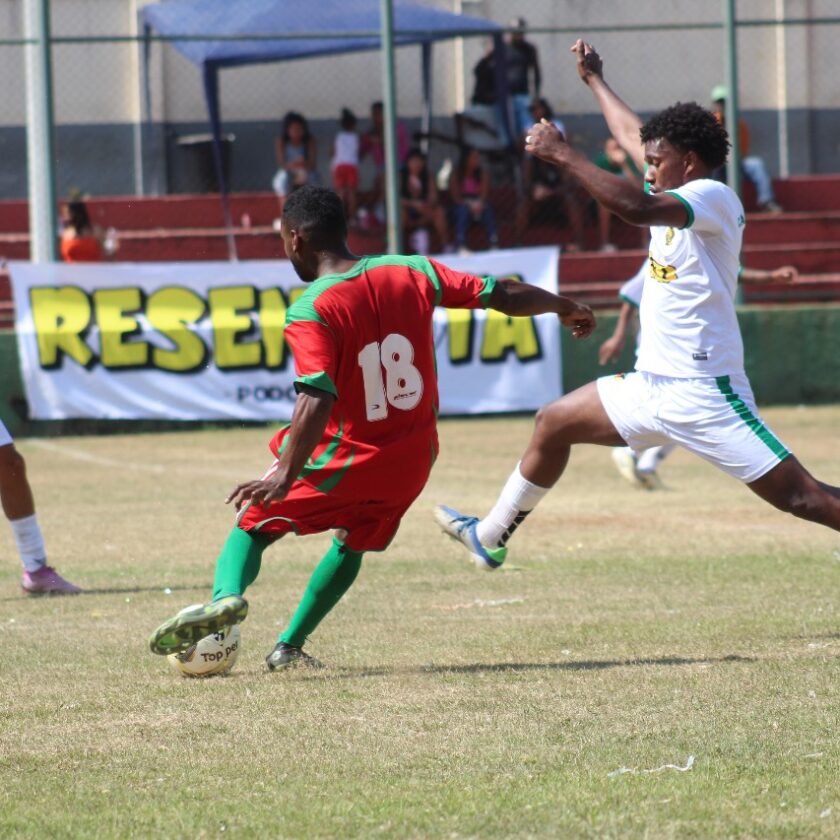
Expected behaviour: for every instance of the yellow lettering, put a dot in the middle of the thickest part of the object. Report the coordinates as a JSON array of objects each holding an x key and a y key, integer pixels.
[
  {"x": 231, "y": 314},
  {"x": 503, "y": 334},
  {"x": 460, "y": 329},
  {"x": 113, "y": 308},
  {"x": 61, "y": 317},
  {"x": 272, "y": 325},
  {"x": 171, "y": 311}
]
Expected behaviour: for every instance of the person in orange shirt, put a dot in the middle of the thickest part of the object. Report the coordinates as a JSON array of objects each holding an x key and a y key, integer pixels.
[
  {"x": 753, "y": 167},
  {"x": 80, "y": 242}
]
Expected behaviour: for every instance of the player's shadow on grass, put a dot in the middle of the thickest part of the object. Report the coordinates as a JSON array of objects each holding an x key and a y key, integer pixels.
[
  {"x": 514, "y": 667},
  {"x": 128, "y": 590},
  {"x": 136, "y": 590}
]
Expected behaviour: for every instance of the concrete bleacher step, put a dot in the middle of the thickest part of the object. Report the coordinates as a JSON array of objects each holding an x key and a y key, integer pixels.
[
  {"x": 773, "y": 228},
  {"x": 808, "y": 193}
]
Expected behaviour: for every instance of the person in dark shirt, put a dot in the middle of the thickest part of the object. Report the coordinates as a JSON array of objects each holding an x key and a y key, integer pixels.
[{"x": 523, "y": 66}]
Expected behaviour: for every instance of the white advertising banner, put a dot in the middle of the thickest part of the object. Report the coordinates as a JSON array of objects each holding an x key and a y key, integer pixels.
[{"x": 204, "y": 340}]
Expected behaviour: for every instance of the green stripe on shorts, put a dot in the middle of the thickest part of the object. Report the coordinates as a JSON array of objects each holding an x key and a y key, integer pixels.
[{"x": 757, "y": 427}]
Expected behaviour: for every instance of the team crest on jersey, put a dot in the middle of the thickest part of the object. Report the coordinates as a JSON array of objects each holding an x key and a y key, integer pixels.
[
  {"x": 662, "y": 273},
  {"x": 669, "y": 236}
]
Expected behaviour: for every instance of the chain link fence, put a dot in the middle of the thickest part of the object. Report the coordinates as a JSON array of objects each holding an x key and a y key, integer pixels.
[{"x": 106, "y": 146}]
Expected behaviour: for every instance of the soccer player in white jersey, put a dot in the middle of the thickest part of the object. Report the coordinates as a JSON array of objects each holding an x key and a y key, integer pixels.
[
  {"x": 689, "y": 385},
  {"x": 639, "y": 467}
]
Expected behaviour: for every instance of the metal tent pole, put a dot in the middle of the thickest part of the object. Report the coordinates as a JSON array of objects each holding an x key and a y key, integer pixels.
[
  {"x": 43, "y": 230},
  {"x": 389, "y": 102},
  {"x": 733, "y": 166}
]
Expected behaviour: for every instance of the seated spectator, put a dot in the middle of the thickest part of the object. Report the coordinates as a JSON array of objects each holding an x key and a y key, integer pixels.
[
  {"x": 752, "y": 166},
  {"x": 419, "y": 204},
  {"x": 345, "y": 163},
  {"x": 614, "y": 159},
  {"x": 548, "y": 190},
  {"x": 80, "y": 241},
  {"x": 296, "y": 157},
  {"x": 373, "y": 144},
  {"x": 469, "y": 186}
]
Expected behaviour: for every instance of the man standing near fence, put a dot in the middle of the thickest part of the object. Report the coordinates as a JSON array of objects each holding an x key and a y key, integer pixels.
[{"x": 363, "y": 435}]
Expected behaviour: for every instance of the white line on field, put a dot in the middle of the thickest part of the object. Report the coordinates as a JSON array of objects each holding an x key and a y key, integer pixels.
[{"x": 81, "y": 455}]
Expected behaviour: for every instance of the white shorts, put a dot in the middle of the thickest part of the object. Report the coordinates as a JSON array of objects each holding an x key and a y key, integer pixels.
[
  {"x": 716, "y": 418},
  {"x": 5, "y": 437}
]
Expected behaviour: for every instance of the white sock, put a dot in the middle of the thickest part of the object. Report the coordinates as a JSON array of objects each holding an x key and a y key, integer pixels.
[
  {"x": 518, "y": 498},
  {"x": 648, "y": 460},
  {"x": 30, "y": 542}
]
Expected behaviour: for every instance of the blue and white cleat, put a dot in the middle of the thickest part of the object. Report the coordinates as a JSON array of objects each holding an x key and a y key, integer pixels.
[{"x": 462, "y": 529}]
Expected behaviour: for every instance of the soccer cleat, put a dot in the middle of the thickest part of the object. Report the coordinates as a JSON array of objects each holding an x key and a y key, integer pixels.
[
  {"x": 625, "y": 463},
  {"x": 650, "y": 480},
  {"x": 289, "y": 656},
  {"x": 462, "y": 529},
  {"x": 194, "y": 623},
  {"x": 47, "y": 581}
]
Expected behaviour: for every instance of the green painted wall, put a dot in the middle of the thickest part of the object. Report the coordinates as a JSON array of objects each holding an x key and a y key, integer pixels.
[
  {"x": 792, "y": 353},
  {"x": 792, "y": 357}
]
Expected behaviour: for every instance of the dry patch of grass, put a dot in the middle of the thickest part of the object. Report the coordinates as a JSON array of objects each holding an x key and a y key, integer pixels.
[{"x": 631, "y": 630}]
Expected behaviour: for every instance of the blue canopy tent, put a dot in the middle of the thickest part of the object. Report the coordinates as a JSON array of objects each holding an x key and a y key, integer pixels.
[{"x": 305, "y": 30}]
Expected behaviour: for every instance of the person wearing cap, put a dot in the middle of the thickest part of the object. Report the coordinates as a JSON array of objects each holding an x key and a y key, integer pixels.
[
  {"x": 752, "y": 166},
  {"x": 523, "y": 72}
]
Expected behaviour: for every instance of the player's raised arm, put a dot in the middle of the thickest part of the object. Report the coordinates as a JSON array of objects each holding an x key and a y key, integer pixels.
[
  {"x": 517, "y": 299},
  {"x": 618, "y": 194},
  {"x": 624, "y": 123},
  {"x": 783, "y": 274}
]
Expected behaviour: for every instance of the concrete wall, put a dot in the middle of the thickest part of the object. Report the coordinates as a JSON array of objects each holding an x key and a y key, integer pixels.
[
  {"x": 792, "y": 357},
  {"x": 788, "y": 88}
]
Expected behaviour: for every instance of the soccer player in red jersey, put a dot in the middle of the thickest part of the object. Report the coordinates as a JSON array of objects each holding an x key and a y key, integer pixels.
[{"x": 363, "y": 434}]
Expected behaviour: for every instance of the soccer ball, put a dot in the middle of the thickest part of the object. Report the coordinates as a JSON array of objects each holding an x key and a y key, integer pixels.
[{"x": 212, "y": 656}]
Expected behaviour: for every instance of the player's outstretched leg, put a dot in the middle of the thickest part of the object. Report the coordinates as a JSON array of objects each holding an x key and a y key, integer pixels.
[
  {"x": 578, "y": 417},
  {"x": 792, "y": 489},
  {"x": 236, "y": 569},
  {"x": 332, "y": 577},
  {"x": 462, "y": 528}
]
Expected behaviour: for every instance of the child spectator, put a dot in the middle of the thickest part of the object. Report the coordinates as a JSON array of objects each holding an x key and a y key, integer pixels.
[
  {"x": 469, "y": 186},
  {"x": 345, "y": 162},
  {"x": 419, "y": 204},
  {"x": 296, "y": 156},
  {"x": 373, "y": 144}
]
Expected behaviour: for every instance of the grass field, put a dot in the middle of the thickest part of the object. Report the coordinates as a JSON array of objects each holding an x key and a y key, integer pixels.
[{"x": 629, "y": 630}]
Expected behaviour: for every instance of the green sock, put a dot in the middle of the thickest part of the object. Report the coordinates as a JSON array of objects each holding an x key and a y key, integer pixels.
[
  {"x": 239, "y": 563},
  {"x": 332, "y": 577}
]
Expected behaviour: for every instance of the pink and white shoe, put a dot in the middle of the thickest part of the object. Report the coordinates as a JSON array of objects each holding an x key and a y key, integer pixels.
[{"x": 47, "y": 581}]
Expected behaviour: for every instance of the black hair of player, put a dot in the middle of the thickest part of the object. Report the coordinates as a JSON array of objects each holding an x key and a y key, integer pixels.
[
  {"x": 318, "y": 213},
  {"x": 691, "y": 128}
]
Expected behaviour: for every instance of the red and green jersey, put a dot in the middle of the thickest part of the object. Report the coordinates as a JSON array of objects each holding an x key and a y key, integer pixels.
[{"x": 366, "y": 337}]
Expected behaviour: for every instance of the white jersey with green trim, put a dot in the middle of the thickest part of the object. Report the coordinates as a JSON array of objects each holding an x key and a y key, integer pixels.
[
  {"x": 689, "y": 326},
  {"x": 631, "y": 290}
]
